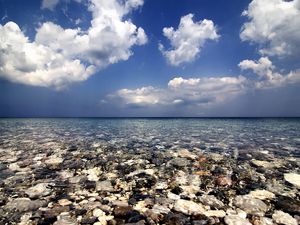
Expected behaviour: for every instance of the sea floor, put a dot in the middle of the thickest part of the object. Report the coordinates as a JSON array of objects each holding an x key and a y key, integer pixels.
[{"x": 48, "y": 177}]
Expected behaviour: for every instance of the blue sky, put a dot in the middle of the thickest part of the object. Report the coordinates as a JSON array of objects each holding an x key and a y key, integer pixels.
[{"x": 149, "y": 58}]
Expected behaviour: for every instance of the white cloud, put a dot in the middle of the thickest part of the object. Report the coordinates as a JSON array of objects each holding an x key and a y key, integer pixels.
[
  {"x": 268, "y": 78},
  {"x": 58, "y": 56},
  {"x": 49, "y": 4},
  {"x": 263, "y": 67},
  {"x": 195, "y": 91},
  {"x": 274, "y": 25},
  {"x": 188, "y": 39},
  {"x": 205, "y": 91}
]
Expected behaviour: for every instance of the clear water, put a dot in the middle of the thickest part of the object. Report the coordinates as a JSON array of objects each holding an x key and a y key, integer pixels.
[{"x": 281, "y": 136}]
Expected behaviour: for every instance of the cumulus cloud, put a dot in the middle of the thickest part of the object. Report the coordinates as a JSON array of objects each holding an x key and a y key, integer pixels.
[
  {"x": 58, "y": 56},
  {"x": 49, "y": 4},
  {"x": 187, "y": 41},
  {"x": 274, "y": 25},
  {"x": 180, "y": 91},
  {"x": 263, "y": 67},
  {"x": 268, "y": 77}
]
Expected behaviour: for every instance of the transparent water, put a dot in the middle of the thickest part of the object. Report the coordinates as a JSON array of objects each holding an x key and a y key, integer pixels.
[{"x": 281, "y": 136}]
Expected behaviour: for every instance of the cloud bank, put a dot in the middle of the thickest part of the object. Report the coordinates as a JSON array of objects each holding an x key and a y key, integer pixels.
[
  {"x": 205, "y": 91},
  {"x": 58, "y": 56},
  {"x": 180, "y": 91},
  {"x": 188, "y": 40}
]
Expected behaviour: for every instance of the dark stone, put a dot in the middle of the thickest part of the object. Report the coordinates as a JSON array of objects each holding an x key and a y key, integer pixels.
[
  {"x": 136, "y": 218},
  {"x": 219, "y": 171},
  {"x": 176, "y": 219},
  {"x": 123, "y": 211},
  {"x": 141, "y": 222},
  {"x": 79, "y": 212},
  {"x": 200, "y": 222},
  {"x": 177, "y": 190},
  {"x": 3, "y": 200},
  {"x": 139, "y": 197},
  {"x": 145, "y": 181},
  {"x": 289, "y": 205},
  {"x": 254, "y": 186},
  {"x": 54, "y": 212},
  {"x": 114, "y": 222},
  {"x": 89, "y": 184},
  {"x": 89, "y": 220},
  {"x": 72, "y": 148}
]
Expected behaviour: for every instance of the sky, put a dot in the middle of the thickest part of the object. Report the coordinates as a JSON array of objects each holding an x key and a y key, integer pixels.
[{"x": 144, "y": 58}]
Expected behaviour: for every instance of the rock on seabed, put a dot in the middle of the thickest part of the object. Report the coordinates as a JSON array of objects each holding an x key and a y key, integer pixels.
[
  {"x": 188, "y": 207},
  {"x": 251, "y": 205},
  {"x": 293, "y": 178},
  {"x": 284, "y": 218}
]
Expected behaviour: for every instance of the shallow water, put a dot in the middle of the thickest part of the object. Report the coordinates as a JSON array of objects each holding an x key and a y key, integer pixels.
[
  {"x": 280, "y": 135},
  {"x": 149, "y": 171}
]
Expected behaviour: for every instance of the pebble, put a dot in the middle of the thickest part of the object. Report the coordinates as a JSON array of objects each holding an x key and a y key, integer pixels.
[
  {"x": 65, "y": 219},
  {"x": 215, "y": 213},
  {"x": 251, "y": 205},
  {"x": 98, "y": 213},
  {"x": 224, "y": 181},
  {"x": 64, "y": 202},
  {"x": 184, "y": 153},
  {"x": 283, "y": 218},
  {"x": 293, "y": 178},
  {"x": 104, "y": 186},
  {"x": 264, "y": 164},
  {"x": 24, "y": 204},
  {"x": 211, "y": 201},
  {"x": 39, "y": 190},
  {"x": 262, "y": 194},
  {"x": 188, "y": 207},
  {"x": 54, "y": 160},
  {"x": 236, "y": 220},
  {"x": 179, "y": 162}
]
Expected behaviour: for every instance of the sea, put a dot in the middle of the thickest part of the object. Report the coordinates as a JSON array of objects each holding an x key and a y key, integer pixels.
[
  {"x": 135, "y": 171},
  {"x": 279, "y": 135}
]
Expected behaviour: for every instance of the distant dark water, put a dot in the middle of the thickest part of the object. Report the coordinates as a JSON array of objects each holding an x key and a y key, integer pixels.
[{"x": 220, "y": 134}]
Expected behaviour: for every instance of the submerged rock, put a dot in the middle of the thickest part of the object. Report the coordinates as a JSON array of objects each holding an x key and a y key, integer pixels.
[
  {"x": 293, "y": 178},
  {"x": 123, "y": 211},
  {"x": 104, "y": 186},
  {"x": 54, "y": 161},
  {"x": 64, "y": 202},
  {"x": 211, "y": 201},
  {"x": 224, "y": 181},
  {"x": 288, "y": 204},
  {"x": 262, "y": 194},
  {"x": 236, "y": 220},
  {"x": 251, "y": 205},
  {"x": 179, "y": 162},
  {"x": 214, "y": 213},
  {"x": 188, "y": 207},
  {"x": 24, "y": 204},
  {"x": 284, "y": 218},
  {"x": 264, "y": 164},
  {"x": 65, "y": 219},
  {"x": 38, "y": 190},
  {"x": 184, "y": 153}
]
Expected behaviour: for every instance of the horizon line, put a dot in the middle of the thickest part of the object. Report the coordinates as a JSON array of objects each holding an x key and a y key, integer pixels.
[{"x": 149, "y": 117}]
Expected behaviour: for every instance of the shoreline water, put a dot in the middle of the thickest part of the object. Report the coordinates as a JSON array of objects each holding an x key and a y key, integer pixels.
[{"x": 139, "y": 171}]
